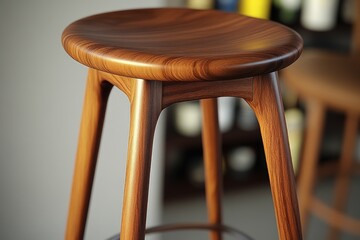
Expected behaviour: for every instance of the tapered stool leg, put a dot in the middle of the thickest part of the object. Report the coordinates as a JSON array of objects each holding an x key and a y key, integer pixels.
[
  {"x": 89, "y": 139},
  {"x": 211, "y": 139},
  {"x": 145, "y": 109},
  {"x": 267, "y": 105},
  {"x": 312, "y": 143}
]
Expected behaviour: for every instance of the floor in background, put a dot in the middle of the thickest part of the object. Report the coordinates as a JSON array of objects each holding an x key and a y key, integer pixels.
[{"x": 251, "y": 211}]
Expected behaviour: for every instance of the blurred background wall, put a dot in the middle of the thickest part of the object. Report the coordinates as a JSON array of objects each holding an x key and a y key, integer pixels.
[{"x": 41, "y": 95}]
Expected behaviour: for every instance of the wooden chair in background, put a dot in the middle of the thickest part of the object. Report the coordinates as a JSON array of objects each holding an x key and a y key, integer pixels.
[{"x": 328, "y": 80}]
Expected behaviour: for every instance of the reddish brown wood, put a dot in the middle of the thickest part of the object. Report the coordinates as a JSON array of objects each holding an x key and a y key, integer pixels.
[
  {"x": 213, "y": 166},
  {"x": 181, "y": 44},
  {"x": 328, "y": 80},
  {"x": 168, "y": 45},
  {"x": 145, "y": 110},
  {"x": 96, "y": 96},
  {"x": 125, "y": 84},
  {"x": 268, "y": 107},
  {"x": 184, "y": 91}
]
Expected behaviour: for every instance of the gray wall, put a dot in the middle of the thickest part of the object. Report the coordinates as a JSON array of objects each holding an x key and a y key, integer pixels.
[{"x": 41, "y": 94}]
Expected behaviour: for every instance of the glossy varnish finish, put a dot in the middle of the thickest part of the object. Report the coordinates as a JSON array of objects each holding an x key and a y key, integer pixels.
[
  {"x": 157, "y": 57},
  {"x": 181, "y": 44},
  {"x": 96, "y": 96},
  {"x": 268, "y": 107},
  {"x": 211, "y": 139}
]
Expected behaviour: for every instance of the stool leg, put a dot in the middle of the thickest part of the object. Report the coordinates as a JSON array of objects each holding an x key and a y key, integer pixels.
[
  {"x": 267, "y": 105},
  {"x": 89, "y": 139},
  {"x": 211, "y": 139},
  {"x": 145, "y": 109},
  {"x": 343, "y": 175},
  {"x": 312, "y": 142}
]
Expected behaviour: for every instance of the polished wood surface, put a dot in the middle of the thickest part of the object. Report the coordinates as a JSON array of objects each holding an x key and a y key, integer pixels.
[
  {"x": 181, "y": 44},
  {"x": 158, "y": 57},
  {"x": 147, "y": 101},
  {"x": 145, "y": 109},
  {"x": 211, "y": 139},
  {"x": 184, "y": 91},
  {"x": 96, "y": 96},
  {"x": 268, "y": 107}
]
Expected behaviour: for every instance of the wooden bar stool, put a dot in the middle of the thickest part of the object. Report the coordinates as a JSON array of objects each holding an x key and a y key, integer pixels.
[
  {"x": 158, "y": 57},
  {"x": 328, "y": 80}
]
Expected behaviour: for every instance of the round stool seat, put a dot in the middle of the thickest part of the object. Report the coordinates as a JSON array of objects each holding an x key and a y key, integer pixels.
[
  {"x": 143, "y": 52},
  {"x": 181, "y": 44},
  {"x": 331, "y": 78}
]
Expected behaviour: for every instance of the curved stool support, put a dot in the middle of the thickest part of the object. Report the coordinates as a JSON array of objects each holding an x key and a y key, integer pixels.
[
  {"x": 268, "y": 107},
  {"x": 145, "y": 108},
  {"x": 96, "y": 95},
  {"x": 211, "y": 139},
  {"x": 159, "y": 57}
]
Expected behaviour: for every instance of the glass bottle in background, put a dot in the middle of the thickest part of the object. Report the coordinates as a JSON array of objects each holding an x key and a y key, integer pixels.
[
  {"x": 188, "y": 118},
  {"x": 241, "y": 161},
  {"x": 255, "y": 8},
  {"x": 295, "y": 125},
  {"x": 226, "y": 109},
  {"x": 288, "y": 10},
  {"x": 319, "y": 15},
  {"x": 200, "y": 4},
  {"x": 227, "y": 5}
]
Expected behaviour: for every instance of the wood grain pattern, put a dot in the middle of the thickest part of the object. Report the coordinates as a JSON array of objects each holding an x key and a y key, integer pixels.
[
  {"x": 158, "y": 57},
  {"x": 96, "y": 96},
  {"x": 185, "y": 91},
  {"x": 145, "y": 110},
  {"x": 268, "y": 107},
  {"x": 147, "y": 101},
  {"x": 125, "y": 84},
  {"x": 181, "y": 44},
  {"x": 211, "y": 139}
]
